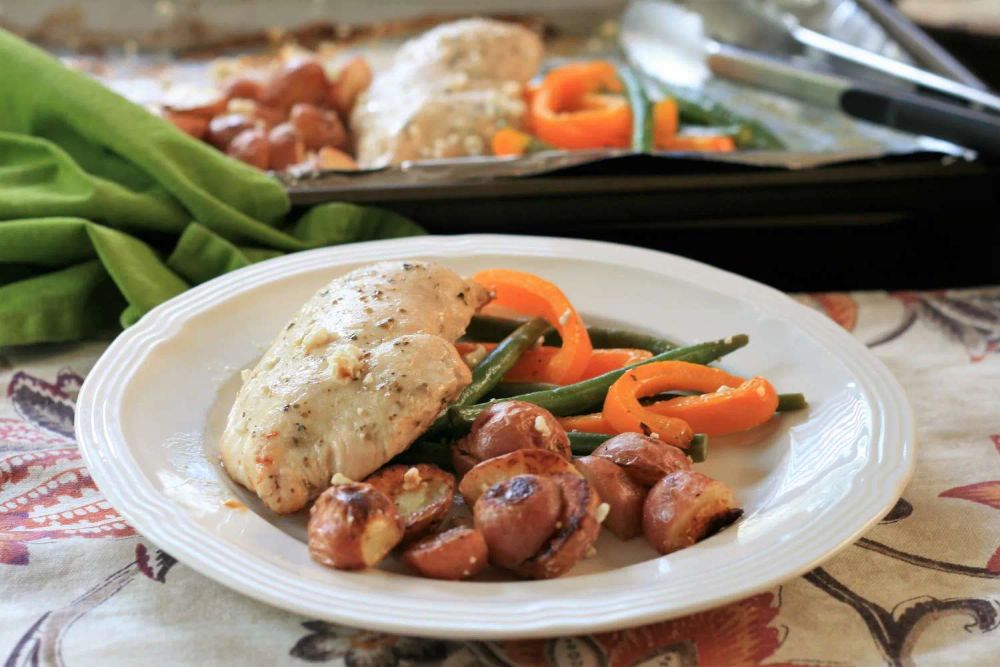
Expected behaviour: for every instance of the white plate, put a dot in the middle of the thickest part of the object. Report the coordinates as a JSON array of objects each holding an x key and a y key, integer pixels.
[{"x": 151, "y": 409}]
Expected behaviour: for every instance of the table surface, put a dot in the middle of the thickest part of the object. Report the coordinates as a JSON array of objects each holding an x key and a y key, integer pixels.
[{"x": 79, "y": 587}]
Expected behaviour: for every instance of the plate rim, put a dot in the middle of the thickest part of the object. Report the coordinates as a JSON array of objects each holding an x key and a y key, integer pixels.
[{"x": 97, "y": 439}]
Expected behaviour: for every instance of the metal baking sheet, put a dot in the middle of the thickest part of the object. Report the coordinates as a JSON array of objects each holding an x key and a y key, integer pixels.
[{"x": 146, "y": 57}]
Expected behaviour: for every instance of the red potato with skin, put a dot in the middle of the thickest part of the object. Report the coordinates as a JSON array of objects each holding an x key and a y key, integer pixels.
[
  {"x": 318, "y": 127},
  {"x": 685, "y": 507},
  {"x": 286, "y": 147},
  {"x": 623, "y": 495},
  {"x": 331, "y": 158},
  {"x": 252, "y": 147},
  {"x": 453, "y": 555},
  {"x": 191, "y": 124},
  {"x": 645, "y": 459},
  {"x": 517, "y": 517},
  {"x": 353, "y": 526},
  {"x": 353, "y": 79},
  {"x": 501, "y": 468},
  {"x": 298, "y": 82},
  {"x": 223, "y": 129},
  {"x": 575, "y": 532},
  {"x": 422, "y": 493},
  {"x": 506, "y": 427},
  {"x": 244, "y": 88}
]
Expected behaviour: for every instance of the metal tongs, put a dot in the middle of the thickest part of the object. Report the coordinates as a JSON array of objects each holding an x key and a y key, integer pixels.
[{"x": 958, "y": 120}]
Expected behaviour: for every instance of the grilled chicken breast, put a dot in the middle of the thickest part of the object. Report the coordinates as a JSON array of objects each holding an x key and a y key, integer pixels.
[
  {"x": 361, "y": 370},
  {"x": 446, "y": 93}
]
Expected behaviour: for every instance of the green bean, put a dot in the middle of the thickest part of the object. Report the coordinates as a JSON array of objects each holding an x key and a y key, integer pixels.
[
  {"x": 792, "y": 402},
  {"x": 488, "y": 329},
  {"x": 698, "y": 449},
  {"x": 508, "y": 389},
  {"x": 696, "y": 108},
  {"x": 491, "y": 370},
  {"x": 584, "y": 444},
  {"x": 642, "y": 125},
  {"x": 786, "y": 402},
  {"x": 588, "y": 396}
]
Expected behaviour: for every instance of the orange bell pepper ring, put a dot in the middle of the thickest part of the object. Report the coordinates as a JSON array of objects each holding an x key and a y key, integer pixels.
[
  {"x": 727, "y": 410},
  {"x": 531, "y": 295},
  {"x": 741, "y": 406},
  {"x": 507, "y": 142},
  {"x": 592, "y": 423},
  {"x": 666, "y": 118},
  {"x": 568, "y": 110}
]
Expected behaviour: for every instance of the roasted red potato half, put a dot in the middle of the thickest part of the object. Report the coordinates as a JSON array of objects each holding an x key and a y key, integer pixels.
[
  {"x": 422, "y": 494},
  {"x": 623, "y": 495},
  {"x": 517, "y": 517},
  {"x": 455, "y": 554},
  {"x": 506, "y": 427},
  {"x": 645, "y": 459},
  {"x": 501, "y": 468},
  {"x": 353, "y": 526},
  {"x": 685, "y": 507},
  {"x": 576, "y": 530}
]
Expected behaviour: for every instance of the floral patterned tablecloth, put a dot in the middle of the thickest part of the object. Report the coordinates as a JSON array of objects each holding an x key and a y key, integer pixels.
[{"x": 79, "y": 587}]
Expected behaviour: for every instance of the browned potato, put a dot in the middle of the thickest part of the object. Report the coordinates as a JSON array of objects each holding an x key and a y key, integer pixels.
[
  {"x": 353, "y": 526},
  {"x": 422, "y": 493},
  {"x": 190, "y": 123},
  {"x": 455, "y": 554},
  {"x": 623, "y": 495},
  {"x": 298, "y": 82},
  {"x": 645, "y": 459},
  {"x": 251, "y": 146},
  {"x": 269, "y": 116},
  {"x": 286, "y": 147},
  {"x": 244, "y": 88},
  {"x": 318, "y": 127},
  {"x": 331, "y": 158},
  {"x": 685, "y": 507},
  {"x": 223, "y": 129},
  {"x": 517, "y": 517},
  {"x": 500, "y": 469},
  {"x": 576, "y": 530},
  {"x": 506, "y": 427},
  {"x": 353, "y": 80}
]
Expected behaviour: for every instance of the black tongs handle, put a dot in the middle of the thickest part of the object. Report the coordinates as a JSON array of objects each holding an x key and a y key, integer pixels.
[{"x": 920, "y": 114}]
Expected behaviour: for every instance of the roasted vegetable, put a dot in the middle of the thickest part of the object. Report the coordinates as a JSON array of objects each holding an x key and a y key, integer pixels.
[
  {"x": 685, "y": 507},
  {"x": 422, "y": 494},
  {"x": 645, "y": 459},
  {"x": 506, "y": 427},
  {"x": 576, "y": 530},
  {"x": 458, "y": 553},
  {"x": 521, "y": 462},
  {"x": 517, "y": 516},
  {"x": 589, "y": 395},
  {"x": 353, "y": 526},
  {"x": 623, "y": 495}
]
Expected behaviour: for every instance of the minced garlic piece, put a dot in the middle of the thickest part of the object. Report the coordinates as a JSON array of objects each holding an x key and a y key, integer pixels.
[
  {"x": 411, "y": 479},
  {"x": 542, "y": 426},
  {"x": 602, "y": 512},
  {"x": 341, "y": 478},
  {"x": 345, "y": 362}
]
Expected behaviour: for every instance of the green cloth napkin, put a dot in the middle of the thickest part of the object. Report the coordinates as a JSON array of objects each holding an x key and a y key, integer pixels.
[{"x": 106, "y": 210}]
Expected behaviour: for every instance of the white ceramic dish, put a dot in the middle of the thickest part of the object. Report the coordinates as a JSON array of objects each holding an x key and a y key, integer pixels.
[{"x": 150, "y": 412}]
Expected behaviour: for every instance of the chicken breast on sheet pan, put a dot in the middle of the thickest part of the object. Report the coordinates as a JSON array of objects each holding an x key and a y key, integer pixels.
[
  {"x": 447, "y": 92},
  {"x": 358, "y": 373}
]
